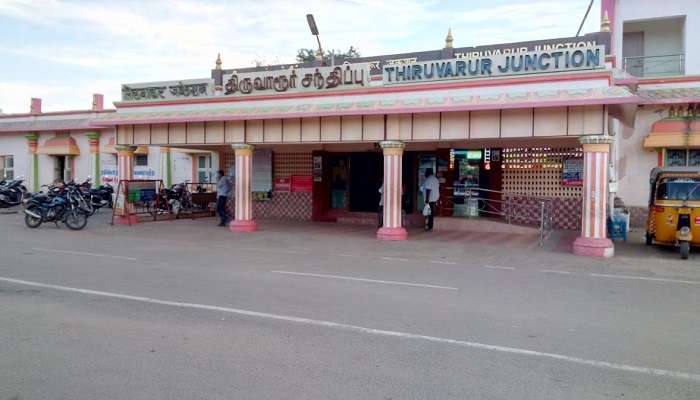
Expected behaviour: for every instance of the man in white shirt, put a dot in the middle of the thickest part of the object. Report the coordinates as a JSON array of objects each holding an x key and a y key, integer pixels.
[{"x": 431, "y": 194}]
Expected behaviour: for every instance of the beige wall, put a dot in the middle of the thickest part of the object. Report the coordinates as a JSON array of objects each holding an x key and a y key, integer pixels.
[
  {"x": 634, "y": 163},
  {"x": 466, "y": 125}
]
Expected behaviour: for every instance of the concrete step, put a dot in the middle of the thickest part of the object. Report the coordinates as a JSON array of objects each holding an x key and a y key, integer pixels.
[{"x": 480, "y": 224}]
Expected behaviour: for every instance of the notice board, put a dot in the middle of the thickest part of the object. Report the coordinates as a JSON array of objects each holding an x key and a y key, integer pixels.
[{"x": 262, "y": 171}]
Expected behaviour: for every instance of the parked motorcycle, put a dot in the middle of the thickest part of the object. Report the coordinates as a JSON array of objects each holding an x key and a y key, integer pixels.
[
  {"x": 97, "y": 198},
  {"x": 57, "y": 205},
  {"x": 174, "y": 200},
  {"x": 12, "y": 192}
]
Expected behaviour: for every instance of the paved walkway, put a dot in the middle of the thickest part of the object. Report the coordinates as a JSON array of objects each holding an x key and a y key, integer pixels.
[{"x": 185, "y": 309}]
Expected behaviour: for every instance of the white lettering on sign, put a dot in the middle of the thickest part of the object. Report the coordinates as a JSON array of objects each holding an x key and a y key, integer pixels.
[
  {"x": 344, "y": 76},
  {"x": 503, "y": 64},
  {"x": 514, "y": 50},
  {"x": 151, "y": 91}
]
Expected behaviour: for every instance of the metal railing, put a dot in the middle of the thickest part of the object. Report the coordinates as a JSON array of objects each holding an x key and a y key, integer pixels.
[
  {"x": 646, "y": 66},
  {"x": 513, "y": 208}
]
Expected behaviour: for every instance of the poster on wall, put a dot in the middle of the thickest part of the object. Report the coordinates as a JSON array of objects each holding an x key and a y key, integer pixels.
[
  {"x": 572, "y": 173},
  {"x": 144, "y": 173},
  {"x": 262, "y": 171},
  {"x": 302, "y": 183},
  {"x": 318, "y": 169},
  {"x": 108, "y": 170},
  {"x": 283, "y": 185}
]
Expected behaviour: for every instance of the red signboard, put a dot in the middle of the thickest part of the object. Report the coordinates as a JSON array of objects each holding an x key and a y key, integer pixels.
[
  {"x": 283, "y": 185},
  {"x": 302, "y": 183},
  {"x": 697, "y": 220}
]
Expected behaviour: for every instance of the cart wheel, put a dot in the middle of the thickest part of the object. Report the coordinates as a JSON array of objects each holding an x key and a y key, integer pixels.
[
  {"x": 649, "y": 239},
  {"x": 685, "y": 250}
]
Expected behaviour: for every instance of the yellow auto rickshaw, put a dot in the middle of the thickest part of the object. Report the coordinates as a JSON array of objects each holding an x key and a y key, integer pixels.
[{"x": 674, "y": 208}]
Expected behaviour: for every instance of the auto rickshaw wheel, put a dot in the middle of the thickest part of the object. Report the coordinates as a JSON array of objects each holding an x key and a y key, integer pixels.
[
  {"x": 649, "y": 239},
  {"x": 685, "y": 250}
]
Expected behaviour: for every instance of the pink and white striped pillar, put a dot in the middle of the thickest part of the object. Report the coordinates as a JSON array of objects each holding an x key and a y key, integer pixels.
[
  {"x": 392, "y": 228},
  {"x": 125, "y": 161},
  {"x": 593, "y": 240},
  {"x": 243, "y": 218},
  {"x": 125, "y": 169}
]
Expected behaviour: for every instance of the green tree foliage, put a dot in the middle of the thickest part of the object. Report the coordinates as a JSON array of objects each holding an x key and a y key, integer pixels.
[{"x": 308, "y": 55}]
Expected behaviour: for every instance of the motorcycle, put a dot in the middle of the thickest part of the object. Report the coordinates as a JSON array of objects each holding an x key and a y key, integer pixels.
[
  {"x": 97, "y": 198},
  {"x": 174, "y": 200},
  {"x": 58, "y": 205},
  {"x": 12, "y": 192}
]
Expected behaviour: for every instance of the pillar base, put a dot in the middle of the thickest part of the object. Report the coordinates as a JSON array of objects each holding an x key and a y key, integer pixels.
[
  {"x": 392, "y": 234},
  {"x": 243, "y": 226},
  {"x": 125, "y": 220},
  {"x": 590, "y": 247}
]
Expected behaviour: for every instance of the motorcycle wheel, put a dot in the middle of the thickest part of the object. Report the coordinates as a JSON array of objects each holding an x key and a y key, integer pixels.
[
  {"x": 33, "y": 222},
  {"x": 88, "y": 208},
  {"x": 76, "y": 220},
  {"x": 685, "y": 250}
]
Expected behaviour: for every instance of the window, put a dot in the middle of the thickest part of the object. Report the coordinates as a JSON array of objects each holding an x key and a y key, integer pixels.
[
  {"x": 694, "y": 158},
  {"x": 204, "y": 170},
  {"x": 676, "y": 158},
  {"x": 141, "y": 160},
  {"x": 678, "y": 189},
  {"x": 7, "y": 167},
  {"x": 682, "y": 158}
]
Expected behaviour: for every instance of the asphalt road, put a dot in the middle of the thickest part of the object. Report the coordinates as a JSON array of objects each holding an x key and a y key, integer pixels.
[{"x": 187, "y": 310}]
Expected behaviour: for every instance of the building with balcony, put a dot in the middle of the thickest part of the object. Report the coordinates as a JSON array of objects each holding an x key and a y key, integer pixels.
[{"x": 657, "y": 56}]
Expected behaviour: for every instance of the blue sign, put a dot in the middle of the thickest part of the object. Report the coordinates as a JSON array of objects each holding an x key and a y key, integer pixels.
[{"x": 530, "y": 62}]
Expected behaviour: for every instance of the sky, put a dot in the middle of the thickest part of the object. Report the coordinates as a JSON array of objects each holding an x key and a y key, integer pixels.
[{"x": 64, "y": 51}]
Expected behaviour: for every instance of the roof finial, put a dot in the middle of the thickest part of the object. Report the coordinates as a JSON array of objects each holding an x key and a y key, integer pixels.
[
  {"x": 605, "y": 23},
  {"x": 449, "y": 39},
  {"x": 218, "y": 61}
]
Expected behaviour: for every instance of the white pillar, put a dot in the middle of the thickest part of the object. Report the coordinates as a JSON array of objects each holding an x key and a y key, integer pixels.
[
  {"x": 243, "y": 218},
  {"x": 593, "y": 240},
  {"x": 392, "y": 228}
]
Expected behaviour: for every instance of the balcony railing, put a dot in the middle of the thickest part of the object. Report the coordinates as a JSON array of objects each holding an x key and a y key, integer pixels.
[{"x": 667, "y": 65}]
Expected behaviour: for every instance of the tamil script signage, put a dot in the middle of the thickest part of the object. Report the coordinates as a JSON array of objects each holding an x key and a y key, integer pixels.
[
  {"x": 502, "y": 64},
  {"x": 171, "y": 90},
  {"x": 346, "y": 76}
]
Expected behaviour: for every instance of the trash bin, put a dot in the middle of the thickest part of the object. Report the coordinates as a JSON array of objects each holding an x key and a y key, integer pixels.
[{"x": 618, "y": 226}]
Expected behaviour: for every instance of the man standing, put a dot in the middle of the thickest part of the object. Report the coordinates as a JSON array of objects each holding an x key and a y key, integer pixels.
[
  {"x": 223, "y": 191},
  {"x": 431, "y": 194}
]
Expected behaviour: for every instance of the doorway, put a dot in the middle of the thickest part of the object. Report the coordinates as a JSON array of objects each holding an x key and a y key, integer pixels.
[
  {"x": 633, "y": 52},
  {"x": 339, "y": 181},
  {"x": 62, "y": 168},
  {"x": 365, "y": 173}
]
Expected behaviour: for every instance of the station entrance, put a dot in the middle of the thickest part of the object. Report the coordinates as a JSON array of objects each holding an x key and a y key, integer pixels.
[
  {"x": 355, "y": 181},
  {"x": 352, "y": 181}
]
